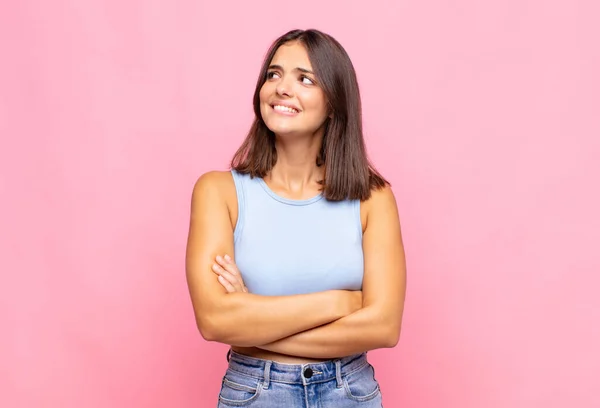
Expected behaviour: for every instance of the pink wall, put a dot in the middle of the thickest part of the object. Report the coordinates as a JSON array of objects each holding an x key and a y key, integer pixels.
[{"x": 484, "y": 115}]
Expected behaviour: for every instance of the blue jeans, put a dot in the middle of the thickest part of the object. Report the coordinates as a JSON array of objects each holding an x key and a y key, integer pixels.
[{"x": 348, "y": 382}]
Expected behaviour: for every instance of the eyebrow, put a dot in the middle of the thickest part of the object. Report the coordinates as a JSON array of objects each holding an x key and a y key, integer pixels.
[{"x": 304, "y": 70}]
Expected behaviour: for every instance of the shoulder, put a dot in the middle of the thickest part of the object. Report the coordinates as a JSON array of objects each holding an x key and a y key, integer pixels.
[
  {"x": 214, "y": 193},
  {"x": 382, "y": 196},
  {"x": 213, "y": 185},
  {"x": 382, "y": 203}
]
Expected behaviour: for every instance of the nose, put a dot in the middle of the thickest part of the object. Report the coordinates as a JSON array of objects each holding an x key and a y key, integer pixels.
[{"x": 284, "y": 87}]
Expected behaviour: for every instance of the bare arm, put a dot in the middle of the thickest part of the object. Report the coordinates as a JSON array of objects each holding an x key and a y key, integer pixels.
[
  {"x": 243, "y": 319},
  {"x": 377, "y": 324}
]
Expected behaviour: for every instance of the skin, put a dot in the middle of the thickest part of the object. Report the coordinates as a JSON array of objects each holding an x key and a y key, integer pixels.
[
  {"x": 301, "y": 328},
  {"x": 298, "y": 138}
]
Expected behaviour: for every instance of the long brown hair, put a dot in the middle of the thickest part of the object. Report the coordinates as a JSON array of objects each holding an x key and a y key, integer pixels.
[{"x": 348, "y": 172}]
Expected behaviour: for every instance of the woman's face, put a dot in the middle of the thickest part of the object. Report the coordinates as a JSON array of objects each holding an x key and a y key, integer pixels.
[{"x": 291, "y": 101}]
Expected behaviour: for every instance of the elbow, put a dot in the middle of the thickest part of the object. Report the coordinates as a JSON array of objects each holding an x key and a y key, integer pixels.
[
  {"x": 215, "y": 329},
  {"x": 390, "y": 336},
  {"x": 385, "y": 329},
  {"x": 211, "y": 328},
  {"x": 211, "y": 321},
  {"x": 209, "y": 335},
  {"x": 392, "y": 339},
  {"x": 208, "y": 330}
]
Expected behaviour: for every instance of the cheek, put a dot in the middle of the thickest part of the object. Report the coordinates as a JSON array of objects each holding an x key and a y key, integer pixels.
[
  {"x": 313, "y": 97},
  {"x": 317, "y": 104},
  {"x": 263, "y": 93},
  {"x": 263, "y": 96}
]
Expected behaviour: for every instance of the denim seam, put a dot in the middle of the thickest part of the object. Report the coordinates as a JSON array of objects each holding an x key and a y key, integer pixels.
[
  {"x": 344, "y": 374},
  {"x": 364, "y": 398},
  {"x": 238, "y": 386},
  {"x": 255, "y": 377},
  {"x": 356, "y": 369},
  {"x": 240, "y": 403},
  {"x": 279, "y": 381}
]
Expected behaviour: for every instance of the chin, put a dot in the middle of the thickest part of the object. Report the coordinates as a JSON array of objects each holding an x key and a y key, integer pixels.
[
  {"x": 285, "y": 127},
  {"x": 279, "y": 128},
  {"x": 282, "y": 130}
]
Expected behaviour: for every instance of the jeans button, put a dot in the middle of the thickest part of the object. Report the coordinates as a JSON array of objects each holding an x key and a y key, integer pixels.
[{"x": 308, "y": 372}]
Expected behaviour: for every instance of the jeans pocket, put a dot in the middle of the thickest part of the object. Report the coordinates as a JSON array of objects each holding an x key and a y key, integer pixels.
[
  {"x": 239, "y": 390},
  {"x": 361, "y": 384}
]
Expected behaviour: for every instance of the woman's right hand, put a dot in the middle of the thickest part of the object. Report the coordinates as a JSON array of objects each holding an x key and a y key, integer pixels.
[{"x": 229, "y": 275}]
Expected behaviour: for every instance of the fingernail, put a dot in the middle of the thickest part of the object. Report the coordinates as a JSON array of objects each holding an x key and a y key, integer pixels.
[
  {"x": 215, "y": 267},
  {"x": 227, "y": 258},
  {"x": 219, "y": 259}
]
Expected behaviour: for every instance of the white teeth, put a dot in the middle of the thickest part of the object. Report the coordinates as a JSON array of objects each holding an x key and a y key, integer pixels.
[{"x": 284, "y": 109}]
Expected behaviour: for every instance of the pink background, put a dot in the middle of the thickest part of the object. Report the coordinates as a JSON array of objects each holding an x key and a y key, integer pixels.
[{"x": 484, "y": 115}]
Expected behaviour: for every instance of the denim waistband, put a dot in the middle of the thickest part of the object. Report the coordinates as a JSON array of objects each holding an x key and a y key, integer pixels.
[{"x": 296, "y": 373}]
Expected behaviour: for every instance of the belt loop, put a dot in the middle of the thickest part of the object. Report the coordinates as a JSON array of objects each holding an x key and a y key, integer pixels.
[
  {"x": 267, "y": 373},
  {"x": 338, "y": 373}
]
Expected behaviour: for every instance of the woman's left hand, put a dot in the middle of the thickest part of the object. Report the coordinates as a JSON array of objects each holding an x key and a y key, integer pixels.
[{"x": 229, "y": 274}]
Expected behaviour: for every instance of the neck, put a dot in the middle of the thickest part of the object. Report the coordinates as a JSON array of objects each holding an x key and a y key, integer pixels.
[{"x": 296, "y": 165}]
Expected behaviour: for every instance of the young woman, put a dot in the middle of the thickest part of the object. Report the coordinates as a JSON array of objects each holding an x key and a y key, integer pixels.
[{"x": 295, "y": 256}]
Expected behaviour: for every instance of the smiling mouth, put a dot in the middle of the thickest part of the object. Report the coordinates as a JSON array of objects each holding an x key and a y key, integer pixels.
[{"x": 284, "y": 109}]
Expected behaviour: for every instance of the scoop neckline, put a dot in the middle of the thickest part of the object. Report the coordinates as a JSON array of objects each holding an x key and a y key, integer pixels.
[{"x": 285, "y": 200}]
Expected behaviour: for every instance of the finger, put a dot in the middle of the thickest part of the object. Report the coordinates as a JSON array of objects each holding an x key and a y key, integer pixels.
[
  {"x": 226, "y": 285},
  {"x": 229, "y": 277},
  {"x": 239, "y": 286},
  {"x": 225, "y": 261},
  {"x": 229, "y": 266}
]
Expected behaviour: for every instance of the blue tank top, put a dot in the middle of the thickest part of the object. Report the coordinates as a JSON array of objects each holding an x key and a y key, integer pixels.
[{"x": 287, "y": 247}]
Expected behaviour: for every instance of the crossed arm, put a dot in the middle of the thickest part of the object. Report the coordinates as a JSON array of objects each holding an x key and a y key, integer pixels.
[{"x": 296, "y": 325}]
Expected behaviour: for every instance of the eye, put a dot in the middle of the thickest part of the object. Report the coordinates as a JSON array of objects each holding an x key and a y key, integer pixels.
[
  {"x": 306, "y": 80},
  {"x": 272, "y": 74}
]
